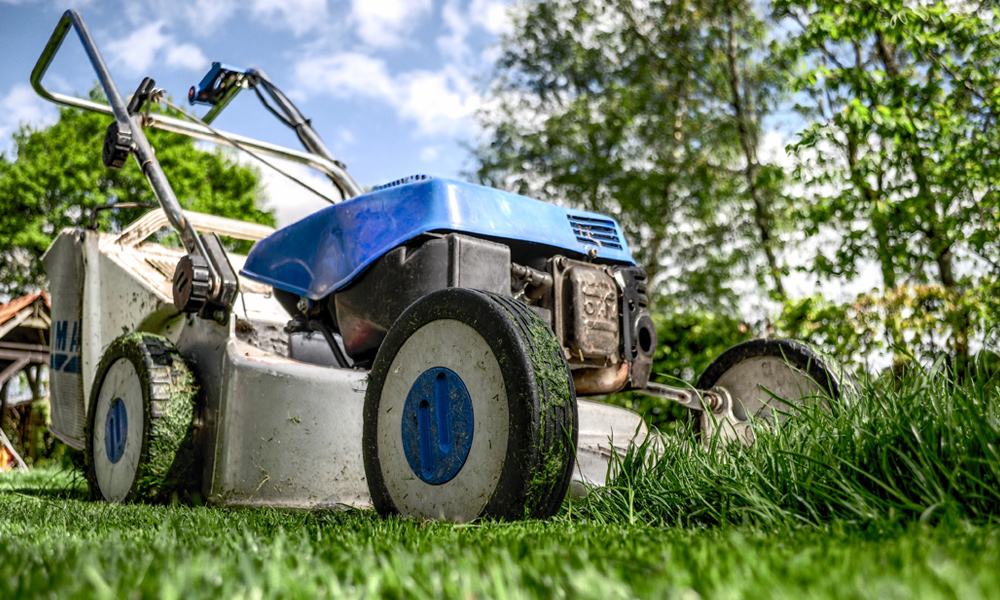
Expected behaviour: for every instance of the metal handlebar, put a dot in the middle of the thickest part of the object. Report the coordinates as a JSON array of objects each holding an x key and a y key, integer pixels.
[
  {"x": 127, "y": 125},
  {"x": 322, "y": 164}
]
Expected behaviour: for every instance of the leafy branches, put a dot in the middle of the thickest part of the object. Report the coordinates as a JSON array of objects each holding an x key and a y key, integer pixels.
[
  {"x": 655, "y": 113},
  {"x": 902, "y": 154},
  {"x": 648, "y": 111},
  {"x": 56, "y": 177}
]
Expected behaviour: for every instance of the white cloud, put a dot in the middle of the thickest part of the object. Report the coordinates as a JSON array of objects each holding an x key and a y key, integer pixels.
[
  {"x": 299, "y": 16},
  {"x": 149, "y": 45},
  {"x": 345, "y": 137},
  {"x": 386, "y": 23},
  {"x": 290, "y": 201},
  {"x": 200, "y": 17},
  {"x": 187, "y": 56},
  {"x": 439, "y": 102},
  {"x": 136, "y": 52},
  {"x": 453, "y": 45},
  {"x": 208, "y": 17},
  {"x": 204, "y": 15},
  {"x": 22, "y": 105},
  {"x": 429, "y": 154},
  {"x": 491, "y": 15},
  {"x": 345, "y": 75}
]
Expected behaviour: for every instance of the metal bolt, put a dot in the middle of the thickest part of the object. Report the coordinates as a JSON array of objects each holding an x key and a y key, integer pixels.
[{"x": 718, "y": 400}]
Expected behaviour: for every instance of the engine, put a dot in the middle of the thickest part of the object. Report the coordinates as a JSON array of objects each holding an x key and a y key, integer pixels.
[
  {"x": 598, "y": 311},
  {"x": 350, "y": 270}
]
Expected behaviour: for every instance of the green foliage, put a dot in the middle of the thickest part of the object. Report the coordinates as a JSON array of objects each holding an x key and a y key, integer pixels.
[
  {"x": 629, "y": 109},
  {"x": 930, "y": 314},
  {"x": 901, "y": 153},
  {"x": 652, "y": 112},
  {"x": 56, "y": 177},
  {"x": 38, "y": 447}
]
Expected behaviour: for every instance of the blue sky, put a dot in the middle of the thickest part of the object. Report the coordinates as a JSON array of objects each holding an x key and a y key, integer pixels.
[{"x": 390, "y": 85}]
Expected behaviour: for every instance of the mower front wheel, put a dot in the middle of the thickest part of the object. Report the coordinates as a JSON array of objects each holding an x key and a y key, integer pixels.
[
  {"x": 140, "y": 443},
  {"x": 470, "y": 412}
]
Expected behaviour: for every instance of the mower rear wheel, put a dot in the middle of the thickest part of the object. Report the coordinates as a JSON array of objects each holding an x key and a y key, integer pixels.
[
  {"x": 470, "y": 412},
  {"x": 140, "y": 443},
  {"x": 769, "y": 380}
]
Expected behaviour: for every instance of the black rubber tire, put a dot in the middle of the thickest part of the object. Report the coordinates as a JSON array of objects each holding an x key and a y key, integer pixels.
[
  {"x": 168, "y": 461},
  {"x": 541, "y": 405},
  {"x": 796, "y": 354}
]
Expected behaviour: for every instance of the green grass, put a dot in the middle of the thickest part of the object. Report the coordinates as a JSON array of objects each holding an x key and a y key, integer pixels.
[
  {"x": 896, "y": 496},
  {"x": 920, "y": 449},
  {"x": 59, "y": 545}
]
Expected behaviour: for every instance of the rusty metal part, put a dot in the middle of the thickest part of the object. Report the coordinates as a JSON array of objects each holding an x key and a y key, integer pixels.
[
  {"x": 94, "y": 212},
  {"x": 593, "y": 323},
  {"x": 151, "y": 222},
  {"x": 637, "y": 327},
  {"x": 535, "y": 284},
  {"x": 715, "y": 406},
  {"x": 607, "y": 380},
  {"x": 585, "y": 297},
  {"x": 28, "y": 347},
  {"x": 30, "y": 357},
  {"x": 714, "y": 400}
]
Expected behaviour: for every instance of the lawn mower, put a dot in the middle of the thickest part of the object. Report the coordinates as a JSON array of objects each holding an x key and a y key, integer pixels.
[{"x": 421, "y": 347}]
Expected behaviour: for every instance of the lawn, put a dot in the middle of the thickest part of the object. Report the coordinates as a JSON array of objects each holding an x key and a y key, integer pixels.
[{"x": 896, "y": 496}]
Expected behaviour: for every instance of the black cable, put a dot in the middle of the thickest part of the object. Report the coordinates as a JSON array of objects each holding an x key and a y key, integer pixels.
[{"x": 270, "y": 109}]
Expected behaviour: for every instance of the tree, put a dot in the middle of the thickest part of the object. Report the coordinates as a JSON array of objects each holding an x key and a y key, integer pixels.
[
  {"x": 56, "y": 177},
  {"x": 649, "y": 112},
  {"x": 902, "y": 152}
]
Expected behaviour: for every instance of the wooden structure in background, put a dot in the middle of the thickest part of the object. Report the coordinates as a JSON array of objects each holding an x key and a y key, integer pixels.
[{"x": 24, "y": 346}]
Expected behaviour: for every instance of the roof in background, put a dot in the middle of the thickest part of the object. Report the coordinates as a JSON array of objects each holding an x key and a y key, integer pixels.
[{"x": 7, "y": 311}]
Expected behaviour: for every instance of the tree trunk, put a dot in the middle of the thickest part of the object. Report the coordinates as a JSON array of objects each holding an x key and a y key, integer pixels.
[
  {"x": 939, "y": 245},
  {"x": 748, "y": 142}
]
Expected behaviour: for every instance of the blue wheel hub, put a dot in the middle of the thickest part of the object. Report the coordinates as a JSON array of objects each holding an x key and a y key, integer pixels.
[
  {"x": 437, "y": 425},
  {"x": 116, "y": 430}
]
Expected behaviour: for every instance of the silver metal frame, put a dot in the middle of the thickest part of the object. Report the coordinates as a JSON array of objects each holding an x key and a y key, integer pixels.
[
  {"x": 128, "y": 125},
  {"x": 72, "y": 18}
]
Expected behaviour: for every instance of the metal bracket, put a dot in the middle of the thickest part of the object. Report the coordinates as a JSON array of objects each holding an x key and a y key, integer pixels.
[
  {"x": 716, "y": 406},
  {"x": 688, "y": 398},
  {"x": 305, "y": 324},
  {"x": 225, "y": 285},
  {"x": 218, "y": 88}
]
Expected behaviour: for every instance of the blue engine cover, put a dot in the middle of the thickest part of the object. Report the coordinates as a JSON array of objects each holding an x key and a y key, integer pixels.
[{"x": 325, "y": 251}]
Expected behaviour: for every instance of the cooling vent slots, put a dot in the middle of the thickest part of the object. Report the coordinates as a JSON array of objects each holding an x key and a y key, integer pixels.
[
  {"x": 599, "y": 232},
  {"x": 640, "y": 288},
  {"x": 410, "y": 179}
]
